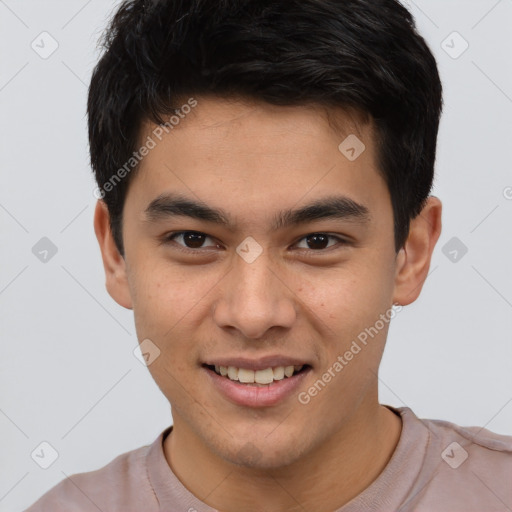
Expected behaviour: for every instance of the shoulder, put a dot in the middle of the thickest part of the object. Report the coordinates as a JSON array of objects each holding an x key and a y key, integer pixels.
[
  {"x": 480, "y": 443},
  {"x": 120, "y": 485},
  {"x": 467, "y": 468}
]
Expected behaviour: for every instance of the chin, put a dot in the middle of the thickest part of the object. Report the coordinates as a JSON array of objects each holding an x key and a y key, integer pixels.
[{"x": 262, "y": 454}]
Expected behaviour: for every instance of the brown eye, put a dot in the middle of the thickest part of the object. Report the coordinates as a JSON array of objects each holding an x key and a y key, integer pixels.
[
  {"x": 319, "y": 241},
  {"x": 190, "y": 239},
  {"x": 193, "y": 240}
]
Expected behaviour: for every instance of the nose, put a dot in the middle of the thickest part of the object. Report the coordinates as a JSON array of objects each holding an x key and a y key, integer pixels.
[{"x": 255, "y": 297}]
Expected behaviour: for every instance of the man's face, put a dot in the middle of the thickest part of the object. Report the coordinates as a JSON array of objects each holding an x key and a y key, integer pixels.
[{"x": 258, "y": 293}]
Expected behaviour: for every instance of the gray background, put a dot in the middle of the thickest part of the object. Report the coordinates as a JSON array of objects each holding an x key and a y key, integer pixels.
[{"x": 68, "y": 375}]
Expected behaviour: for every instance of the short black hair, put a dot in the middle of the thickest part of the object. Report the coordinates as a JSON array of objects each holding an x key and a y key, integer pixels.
[{"x": 364, "y": 55}]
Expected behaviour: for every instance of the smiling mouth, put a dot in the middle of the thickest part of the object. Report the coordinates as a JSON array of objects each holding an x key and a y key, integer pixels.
[{"x": 259, "y": 377}]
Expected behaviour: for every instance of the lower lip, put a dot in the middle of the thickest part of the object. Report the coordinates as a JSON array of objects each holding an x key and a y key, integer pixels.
[{"x": 257, "y": 396}]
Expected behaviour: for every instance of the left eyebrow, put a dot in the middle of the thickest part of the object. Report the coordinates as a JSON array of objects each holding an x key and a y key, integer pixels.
[{"x": 331, "y": 207}]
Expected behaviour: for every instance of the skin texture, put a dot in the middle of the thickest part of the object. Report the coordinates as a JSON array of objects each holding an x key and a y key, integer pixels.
[{"x": 253, "y": 160}]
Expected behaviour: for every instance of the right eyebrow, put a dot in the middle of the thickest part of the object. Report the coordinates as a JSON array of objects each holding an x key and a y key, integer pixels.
[{"x": 172, "y": 205}]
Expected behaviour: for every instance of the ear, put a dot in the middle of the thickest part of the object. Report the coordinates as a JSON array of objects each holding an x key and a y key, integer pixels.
[
  {"x": 113, "y": 262},
  {"x": 413, "y": 260}
]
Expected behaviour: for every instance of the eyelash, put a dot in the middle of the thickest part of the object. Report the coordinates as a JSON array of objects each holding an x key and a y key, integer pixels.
[{"x": 169, "y": 238}]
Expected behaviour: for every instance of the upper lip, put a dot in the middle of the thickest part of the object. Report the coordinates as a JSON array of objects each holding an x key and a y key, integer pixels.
[{"x": 261, "y": 363}]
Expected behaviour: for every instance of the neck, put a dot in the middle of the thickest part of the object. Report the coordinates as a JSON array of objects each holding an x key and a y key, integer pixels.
[{"x": 323, "y": 480}]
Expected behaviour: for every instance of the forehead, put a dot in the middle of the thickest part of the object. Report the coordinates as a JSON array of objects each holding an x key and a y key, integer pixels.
[
  {"x": 220, "y": 117},
  {"x": 255, "y": 157}
]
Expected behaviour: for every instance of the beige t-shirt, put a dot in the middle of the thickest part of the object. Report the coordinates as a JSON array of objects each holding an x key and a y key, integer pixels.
[{"x": 436, "y": 467}]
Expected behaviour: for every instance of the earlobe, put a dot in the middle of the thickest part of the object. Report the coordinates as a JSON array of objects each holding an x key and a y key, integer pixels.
[
  {"x": 413, "y": 260},
  {"x": 113, "y": 263}
]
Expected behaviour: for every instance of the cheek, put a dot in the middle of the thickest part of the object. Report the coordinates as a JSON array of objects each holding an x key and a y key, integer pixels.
[
  {"x": 167, "y": 301},
  {"x": 170, "y": 306},
  {"x": 163, "y": 294},
  {"x": 344, "y": 302},
  {"x": 347, "y": 295}
]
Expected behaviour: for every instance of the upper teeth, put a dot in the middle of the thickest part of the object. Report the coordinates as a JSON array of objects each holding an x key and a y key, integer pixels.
[{"x": 265, "y": 376}]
